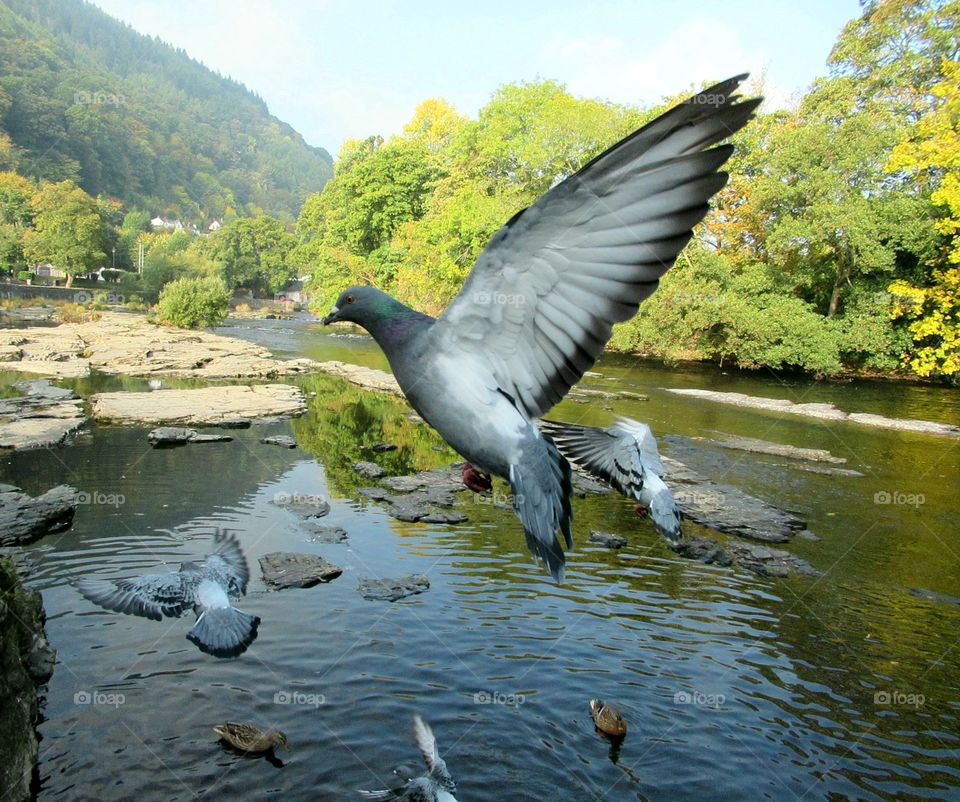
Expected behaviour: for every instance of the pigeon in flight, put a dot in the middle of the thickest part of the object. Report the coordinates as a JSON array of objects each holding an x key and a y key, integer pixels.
[
  {"x": 625, "y": 456},
  {"x": 540, "y": 303},
  {"x": 220, "y": 629},
  {"x": 435, "y": 786}
]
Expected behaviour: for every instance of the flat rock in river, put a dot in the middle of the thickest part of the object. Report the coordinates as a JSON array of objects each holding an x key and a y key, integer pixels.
[
  {"x": 775, "y": 449},
  {"x": 178, "y": 435},
  {"x": 393, "y": 589},
  {"x": 369, "y": 470},
  {"x": 821, "y": 411},
  {"x": 321, "y": 533},
  {"x": 205, "y": 405},
  {"x": 282, "y": 440},
  {"x": 368, "y": 378},
  {"x": 41, "y": 417},
  {"x": 757, "y": 559},
  {"x": 290, "y": 570},
  {"x": 726, "y": 508},
  {"x": 608, "y": 540}
]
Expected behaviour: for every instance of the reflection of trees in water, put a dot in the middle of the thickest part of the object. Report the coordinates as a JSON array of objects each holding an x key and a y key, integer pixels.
[{"x": 341, "y": 419}]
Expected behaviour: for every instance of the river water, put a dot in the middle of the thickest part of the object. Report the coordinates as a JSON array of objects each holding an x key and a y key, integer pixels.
[{"x": 734, "y": 686}]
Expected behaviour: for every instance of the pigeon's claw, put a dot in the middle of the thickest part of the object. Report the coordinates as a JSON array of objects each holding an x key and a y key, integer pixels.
[
  {"x": 477, "y": 481},
  {"x": 641, "y": 510}
]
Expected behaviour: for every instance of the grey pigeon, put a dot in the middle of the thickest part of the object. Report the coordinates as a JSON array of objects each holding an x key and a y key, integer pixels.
[
  {"x": 540, "y": 303},
  {"x": 435, "y": 786},
  {"x": 625, "y": 456},
  {"x": 220, "y": 629}
]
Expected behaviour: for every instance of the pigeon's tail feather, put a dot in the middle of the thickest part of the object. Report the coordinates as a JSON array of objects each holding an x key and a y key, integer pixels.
[
  {"x": 224, "y": 631},
  {"x": 662, "y": 508},
  {"x": 625, "y": 456},
  {"x": 542, "y": 485}
]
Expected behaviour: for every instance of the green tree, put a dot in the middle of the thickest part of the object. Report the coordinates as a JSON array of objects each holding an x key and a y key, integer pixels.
[
  {"x": 68, "y": 230},
  {"x": 254, "y": 253},
  {"x": 16, "y": 215}
]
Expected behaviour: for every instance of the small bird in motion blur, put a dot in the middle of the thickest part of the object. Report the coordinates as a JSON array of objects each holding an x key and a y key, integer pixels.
[
  {"x": 625, "y": 456},
  {"x": 435, "y": 786},
  {"x": 251, "y": 739},
  {"x": 208, "y": 587},
  {"x": 540, "y": 304}
]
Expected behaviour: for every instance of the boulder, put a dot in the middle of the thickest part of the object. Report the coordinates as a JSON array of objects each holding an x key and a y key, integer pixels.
[{"x": 24, "y": 519}]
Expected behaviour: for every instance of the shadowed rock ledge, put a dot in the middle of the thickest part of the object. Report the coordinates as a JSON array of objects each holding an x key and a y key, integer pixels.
[{"x": 26, "y": 661}]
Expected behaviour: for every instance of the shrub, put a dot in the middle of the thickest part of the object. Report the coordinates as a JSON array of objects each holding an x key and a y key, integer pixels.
[
  {"x": 76, "y": 313},
  {"x": 193, "y": 303},
  {"x": 24, "y": 275}
]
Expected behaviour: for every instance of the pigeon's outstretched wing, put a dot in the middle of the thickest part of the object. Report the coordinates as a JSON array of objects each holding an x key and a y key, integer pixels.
[
  {"x": 431, "y": 756},
  {"x": 625, "y": 456},
  {"x": 227, "y": 564},
  {"x": 152, "y": 596},
  {"x": 434, "y": 786},
  {"x": 542, "y": 298}
]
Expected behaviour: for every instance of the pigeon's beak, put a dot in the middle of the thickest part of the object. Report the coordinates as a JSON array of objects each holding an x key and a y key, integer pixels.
[{"x": 332, "y": 317}]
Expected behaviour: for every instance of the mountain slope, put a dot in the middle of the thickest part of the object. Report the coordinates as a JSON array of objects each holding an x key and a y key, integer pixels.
[{"x": 84, "y": 96}]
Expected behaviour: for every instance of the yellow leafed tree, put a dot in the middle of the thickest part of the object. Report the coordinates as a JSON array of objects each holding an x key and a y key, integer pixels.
[{"x": 933, "y": 152}]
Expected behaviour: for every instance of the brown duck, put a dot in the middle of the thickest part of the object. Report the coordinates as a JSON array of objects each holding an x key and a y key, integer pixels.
[
  {"x": 608, "y": 719},
  {"x": 248, "y": 738}
]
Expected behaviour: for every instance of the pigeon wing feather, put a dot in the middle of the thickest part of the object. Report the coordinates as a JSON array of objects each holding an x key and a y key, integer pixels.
[
  {"x": 542, "y": 298},
  {"x": 151, "y": 596}
]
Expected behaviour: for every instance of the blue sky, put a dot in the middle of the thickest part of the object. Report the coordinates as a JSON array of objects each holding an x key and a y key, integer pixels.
[{"x": 338, "y": 69}]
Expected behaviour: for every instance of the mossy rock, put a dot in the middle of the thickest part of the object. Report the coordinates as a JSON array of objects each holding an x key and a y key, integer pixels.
[{"x": 25, "y": 658}]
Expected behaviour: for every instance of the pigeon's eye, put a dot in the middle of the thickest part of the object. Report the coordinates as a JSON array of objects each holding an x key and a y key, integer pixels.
[{"x": 349, "y": 299}]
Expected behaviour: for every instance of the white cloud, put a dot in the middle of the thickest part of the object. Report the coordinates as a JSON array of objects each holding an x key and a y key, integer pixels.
[{"x": 613, "y": 68}]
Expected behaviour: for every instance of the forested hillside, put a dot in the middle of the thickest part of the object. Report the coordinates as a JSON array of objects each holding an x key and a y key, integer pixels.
[
  {"x": 835, "y": 246},
  {"x": 85, "y": 97}
]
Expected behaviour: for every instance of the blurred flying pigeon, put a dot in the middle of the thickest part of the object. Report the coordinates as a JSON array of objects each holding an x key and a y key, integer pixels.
[
  {"x": 220, "y": 629},
  {"x": 625, "y": 456},
  {"x": 435, "y": 786},
  {"x": 541, "y": 301}
]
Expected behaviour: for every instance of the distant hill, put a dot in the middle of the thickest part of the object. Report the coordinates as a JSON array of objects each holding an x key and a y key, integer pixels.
[{"x": 84, "y": 96}]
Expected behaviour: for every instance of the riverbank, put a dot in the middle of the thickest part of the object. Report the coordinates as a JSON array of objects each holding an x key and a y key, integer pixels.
[{"x": 126, "y": 343}]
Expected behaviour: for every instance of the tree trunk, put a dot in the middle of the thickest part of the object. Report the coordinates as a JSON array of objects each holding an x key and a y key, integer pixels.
[
  {"x": 69, "y": 280},
  {"x": 843, "y": 275}
]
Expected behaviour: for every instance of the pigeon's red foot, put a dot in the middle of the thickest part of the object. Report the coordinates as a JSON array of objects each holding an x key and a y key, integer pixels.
[
  {"x": 477, "y": 481},
  {"x": 640, "y": 510}
]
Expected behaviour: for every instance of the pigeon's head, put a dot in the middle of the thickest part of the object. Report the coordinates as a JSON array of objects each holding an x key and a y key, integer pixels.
[{"x": 360, "y": 305}]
